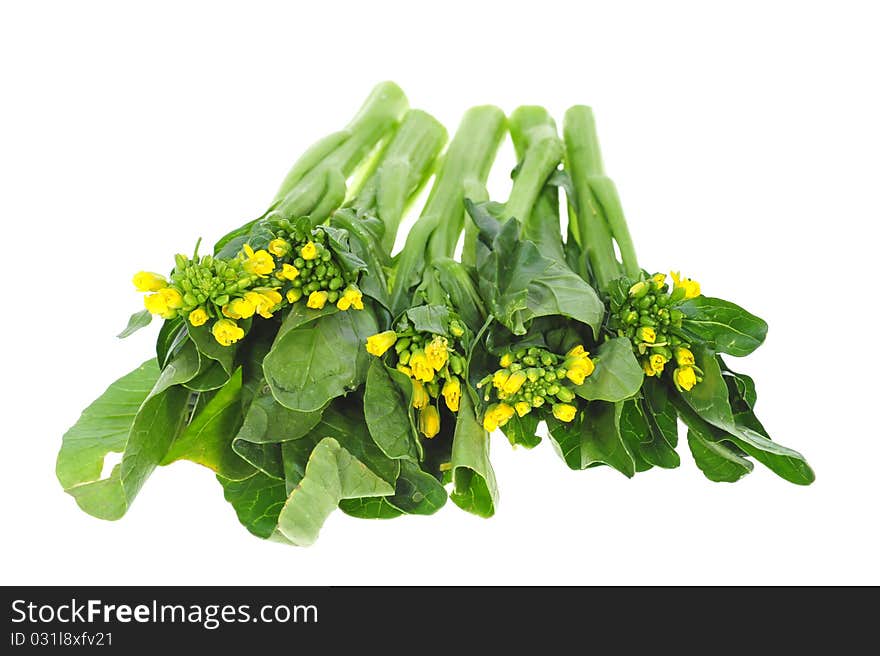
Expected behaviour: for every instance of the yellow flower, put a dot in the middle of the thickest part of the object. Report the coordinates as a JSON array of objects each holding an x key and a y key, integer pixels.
[
  {"x": 147, "y": 281},
  {"x": 522, "y": 408},
  {"x": 659, "y": 278},
  {"x": 506, "y": 360},
  {"x": 402, "y": 368},
  {"x": 164, "y": 302},
  {"x": 380, "y": 342},
  {"x": 578, "y": 370},
  {"x": 258, "y": 263},
  {"x": 293, "y": 295},
  {"x": 198, "y": 317},
  {"x": 657, "y": 363},
  {"x": 317, "y": 300},
  {"x": 351, "y": 297},
  {"x": 239, "y": 308},
  {"x": 421, "y": 368},
  {"x": 500, "y": 377},
  {"x": 309, "y": 251},
  {"x": 437, "y": 352},
  {"x": 513, "y": 383},
  {"x": 646, "y": 334},
  {"x": 647, "y": 368},
  {"x": 279, "y": 248},
  {"x": 564, "y": 411},
  {"x": 577, "y": 351},
  {"x": 683, "y": 357},
  {"x": 497, "y": 415},
  {"x": 266, "y": 302},
  {"x": 429, "y": 421},
  {"x": 639, "y": 289},
  {"x": 226, "y": 332},
  {"x": 684, "y": 378},
  {"x": 691, "y": 287},
  {"x": 288, "y": 272},
  {"x": 452, "y": 393},
  {"x": 420, "y": 396}
]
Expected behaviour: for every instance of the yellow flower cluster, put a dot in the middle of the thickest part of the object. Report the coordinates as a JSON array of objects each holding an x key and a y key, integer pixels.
[
  {"x": 691, "y": 287},
  {"x": 533, "y": 378},
  {"x": 433, "y": 367},
  {"x": 687, "y": 374}
]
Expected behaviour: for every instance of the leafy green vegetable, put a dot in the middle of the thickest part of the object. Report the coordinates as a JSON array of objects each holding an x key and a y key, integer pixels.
[
  {"x": 723, "y": 326},
  {"x": 617, "y": 375},
  {"x": 473, "y": 479}
]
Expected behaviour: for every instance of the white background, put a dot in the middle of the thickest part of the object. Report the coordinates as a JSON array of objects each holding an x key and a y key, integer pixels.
[{"x": 744, "y": 141}]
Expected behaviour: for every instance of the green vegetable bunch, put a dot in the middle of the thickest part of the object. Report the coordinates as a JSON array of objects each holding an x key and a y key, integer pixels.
[{"x": 313, "y": 369}]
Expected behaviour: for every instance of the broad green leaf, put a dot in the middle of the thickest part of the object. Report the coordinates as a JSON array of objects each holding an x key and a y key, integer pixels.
[
  {"x": 710, "y": 400},
  {"x": 429, "y": 318},
  {"x": 137, "y": 321},
  {"x": 370, "y": 508},
  {"x": 593, "y": 438},
  {"x": 617, "y": 375},
  {"x": 172, "y": 334},
  {"x": 268, "y": 421},
  {"x": 211, "y": 376},
  {"x": 519, "y": 284},
  {"x": 207, "y": 440},
  {"x": 417, "y": 492},
  {"x": 662, "y": 422},
  {"x": 319, "y": 360},
  {"x": 639, "y": 428},
  {"x": 366, "y": 246},
  {"x": 714, "y": 455},
  {"x": 331, "y": 475},
  {"x": 386, "y": 410},
  {"x": 522, "y": 431},
  {"x": 139, "y": 415},
  {"x": 723, "y": 326},
  {"x": 257, "y": 501},
  {"x": 267, "y": 457},
  {"x": 473, "y": 478}
]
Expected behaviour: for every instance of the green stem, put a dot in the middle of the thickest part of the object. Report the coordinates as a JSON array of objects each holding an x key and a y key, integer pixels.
[
  {"x": 600, "y": 219},
  {"x": 462, "y": 174},
  {"x": 403, "y": 169},
  {"x": 315, "y": 186}
]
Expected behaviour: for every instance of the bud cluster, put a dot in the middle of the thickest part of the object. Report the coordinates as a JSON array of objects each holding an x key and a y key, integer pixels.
[
  {"x": 648, "y": 316},
  {"x": 434, "y": 364},
  {"x": 295, "y": 264},
  {"x": 533, "y": 378}
]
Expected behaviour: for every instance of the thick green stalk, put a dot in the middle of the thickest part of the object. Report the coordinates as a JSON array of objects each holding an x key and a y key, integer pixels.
[
  {"x": 462, "y": 174},
  {"x": 403, "y": 169},
  {"x": 315, "y": 186},
  {"x": 600, "y": 219}
]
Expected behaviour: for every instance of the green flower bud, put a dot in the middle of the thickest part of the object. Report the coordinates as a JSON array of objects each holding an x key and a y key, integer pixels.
[
  {"x": 631, "y": 317},
  {"x": 456, "y": 328},
  {"x": 516, "y": 366},
  {"x": 646, "y": 302},
  {"x": 530, "y": 360},
  {"x": 677, "y": 295},
  {"x": 565, "y": 395},
  {"x": 190, "y": 299},
  {"x": 320, "y": 270},
  {"x": 639, "y": 289},
  {"x": 332, "y": 297},
  {"x": 299, "y": 263},
  {"x": 663, "y": 300},
  {"x": 675, "y": 316},
  {"x": 537, "y": 401},
  {"x": 402, "y": 344},
  {"x": 456, "y": 364},
  {"x": 647, "y": 321},
  {"x": 223, "y": 299},
  {"x": 553, "y": 389},
  {"x": 533, "y": 374},
  {"x": 547, "y": 359},
  {"x": 662, "y": 350},
  {"x": 403, "y": 356}
]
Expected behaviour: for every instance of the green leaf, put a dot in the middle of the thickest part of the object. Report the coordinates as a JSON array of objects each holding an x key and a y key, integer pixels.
[
  {"x": 717, "y": 459},
  {"x": 593, "y": 438},
  {"x": 331, "y": 474},
  {"x": 172, "y": 334},
  {"x": 617, "y": 375},
  {"x": 634, "y": 431},
  {"x": 139, "y": 415},
  {"x": 267, "y": 457},
  {"x": 370, "y": 508},
  {"x": 710, "y": 400},
  {"x": 473, "y": 478},
  {"x": 207, "y": 440},
  {"x": 417, "y": 492},
  {"x": 429, "y": 319},
  {"x": 661, "y": 419},
  {"x": 639, "y": 427},
  {"x": 723, "y": 326},
  {"x": 268, "y": 421},
  {"x": 520, "y": 284},
  {"x": 386, "y": 410},
  {"x": 257, "y": 501},
  {"x": 319, "y": 360},
  {"x": 522, "y": 431},
  {"x": 137, "y": 321}
]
